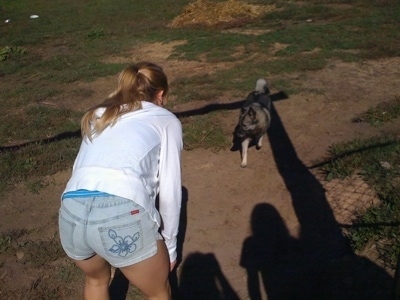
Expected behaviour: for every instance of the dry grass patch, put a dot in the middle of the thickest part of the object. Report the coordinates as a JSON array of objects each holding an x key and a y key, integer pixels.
[{"x": 227, "y": 13}]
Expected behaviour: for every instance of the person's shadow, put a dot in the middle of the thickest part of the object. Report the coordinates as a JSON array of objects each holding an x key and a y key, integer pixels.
[
  {"x": 202, "y": 278},
  {"x": 264, "y": 252},
  {"x": 200, "y": 275},
  {"x": 320, "y": 263}
]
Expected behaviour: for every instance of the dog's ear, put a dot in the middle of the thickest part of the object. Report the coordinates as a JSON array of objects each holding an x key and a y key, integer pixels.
[{"x": 251, "y": 98}]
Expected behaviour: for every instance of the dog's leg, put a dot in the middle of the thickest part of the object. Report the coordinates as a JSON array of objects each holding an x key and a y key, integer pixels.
[
  {"x": 245, "y": 146},
  {"x": 259, "y": 142}
]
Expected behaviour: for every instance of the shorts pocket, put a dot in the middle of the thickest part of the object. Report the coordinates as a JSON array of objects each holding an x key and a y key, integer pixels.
[
  {"x": 122, "y": 241},
  {"x": 67, "y": 229}
]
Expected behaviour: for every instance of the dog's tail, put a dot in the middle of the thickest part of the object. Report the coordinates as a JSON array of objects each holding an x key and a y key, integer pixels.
[{"x": 261, "y": 86}]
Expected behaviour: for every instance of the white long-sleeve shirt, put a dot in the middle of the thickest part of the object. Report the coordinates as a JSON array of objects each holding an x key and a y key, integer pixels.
[{"x": 137, "y": 158}]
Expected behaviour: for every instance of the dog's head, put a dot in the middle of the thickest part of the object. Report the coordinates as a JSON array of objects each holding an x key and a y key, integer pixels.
[{"x": 248, "y": 117}]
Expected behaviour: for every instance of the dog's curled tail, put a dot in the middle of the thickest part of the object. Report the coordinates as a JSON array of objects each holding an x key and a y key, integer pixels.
[{"x": 262, "y": 86}]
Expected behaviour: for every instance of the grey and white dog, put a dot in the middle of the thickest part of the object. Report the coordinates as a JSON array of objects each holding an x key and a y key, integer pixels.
[{"x": 254, "y": 119}]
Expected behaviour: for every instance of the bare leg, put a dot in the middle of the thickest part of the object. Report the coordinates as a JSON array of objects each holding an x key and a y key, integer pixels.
[
  {"x": 245, "y": 146},
  {"x": 151, "y": 275},
  {"x": 98, "y": 274}
]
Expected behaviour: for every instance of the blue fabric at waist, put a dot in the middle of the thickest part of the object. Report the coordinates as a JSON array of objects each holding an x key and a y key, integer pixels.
[{"x": 84, "y": 193}]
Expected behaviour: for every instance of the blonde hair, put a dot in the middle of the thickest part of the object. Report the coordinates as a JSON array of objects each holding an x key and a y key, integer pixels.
[{"x": 136, "y": 83}]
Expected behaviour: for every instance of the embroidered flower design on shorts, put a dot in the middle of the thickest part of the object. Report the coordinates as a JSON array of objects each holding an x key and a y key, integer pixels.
[{"x": 123, "y": 245}]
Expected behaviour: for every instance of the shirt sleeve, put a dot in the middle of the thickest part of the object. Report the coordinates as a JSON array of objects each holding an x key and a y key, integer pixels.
[{"x": 170, "y": 185}]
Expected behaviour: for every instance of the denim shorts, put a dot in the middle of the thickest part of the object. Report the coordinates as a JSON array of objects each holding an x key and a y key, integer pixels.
[{"x": 115, "y": 228}]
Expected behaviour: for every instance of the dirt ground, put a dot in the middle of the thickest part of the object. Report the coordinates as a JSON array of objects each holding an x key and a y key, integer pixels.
[{"x": 272, "y": 230}]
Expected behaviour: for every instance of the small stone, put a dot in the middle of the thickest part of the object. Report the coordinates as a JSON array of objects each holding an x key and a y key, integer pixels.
[
  {"x": 385, "y": 165},
  {"x": 3, "y": 275},
  {"x": 20, "y": 255}
]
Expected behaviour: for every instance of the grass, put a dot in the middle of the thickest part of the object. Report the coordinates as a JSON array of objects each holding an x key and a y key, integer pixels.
[
  {"x": 42, "y": 59},
  {"x": 9, "y": 240},
  {"x": 205, "y": 89},
  {"x": 377, "y": 161},
  {"x": 203, "y": 131},
  {"x": 384, "y": 112}
]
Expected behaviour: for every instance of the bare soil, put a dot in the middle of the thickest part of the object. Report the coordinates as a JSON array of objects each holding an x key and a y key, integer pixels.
[{"x": 272, "y": 230}]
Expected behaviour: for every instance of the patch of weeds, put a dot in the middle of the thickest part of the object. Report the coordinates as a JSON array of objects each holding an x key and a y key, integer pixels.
[
  {"x": 352, "y": 28},
  {"x": 15, "y": 97},
  {"x": 38, "y": 159},
  {"x": 7, "y": 51},
  {"x": 232, "y": 80},
  {"x": 288, "y": 86},
  {"x": 203, "y": 132},
  {"x": 194, "y": 89},
  {"x": 377, "y": 160},
  {"x": 68, "y": 272},
  {"x": 59, "y": 68},
  {"x": 97, "y": 33},
  {"x": 51, "y": 119},
  {"x": 44, "y": 290},
  {"x": 381, "y": 114},
  {"x": 348, "y": 158},
  {"x": 379, "y": 226},
  {"x": 40, "y": 253},
  {"x": 46, "y": 152},
  {"x": 9, "y": 238},
  {"x": 240, "y": 79},
  {"x": 300, "y": 62},
  {"x": 34, "y": 186},
  {"x": 5, "y": 242},
  {"x": 243, "y": 76},
  {"x": 82, "y": 92},
  {"x": 294, "y": 13},
  {"x": 43, "y": 122},
  {"x": 219, "y": 47},
  {"x": 389, "y": 248}
]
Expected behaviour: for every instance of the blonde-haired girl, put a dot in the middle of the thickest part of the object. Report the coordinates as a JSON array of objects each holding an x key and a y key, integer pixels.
[{"x": 130, "y": 154}]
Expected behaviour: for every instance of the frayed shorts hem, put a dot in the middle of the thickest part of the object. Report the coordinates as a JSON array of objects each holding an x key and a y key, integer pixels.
[{"x": 116, "y": 265}]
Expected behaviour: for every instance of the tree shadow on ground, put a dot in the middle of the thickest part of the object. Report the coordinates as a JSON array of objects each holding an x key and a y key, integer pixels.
[
  {"x": 320, "y": 263},
  {"x": 183, "y": 114}
]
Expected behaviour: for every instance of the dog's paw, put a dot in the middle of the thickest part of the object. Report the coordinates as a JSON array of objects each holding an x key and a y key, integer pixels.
[
  {"x": 235, "y": 147},
  {"x": 243, "y": 165}
]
